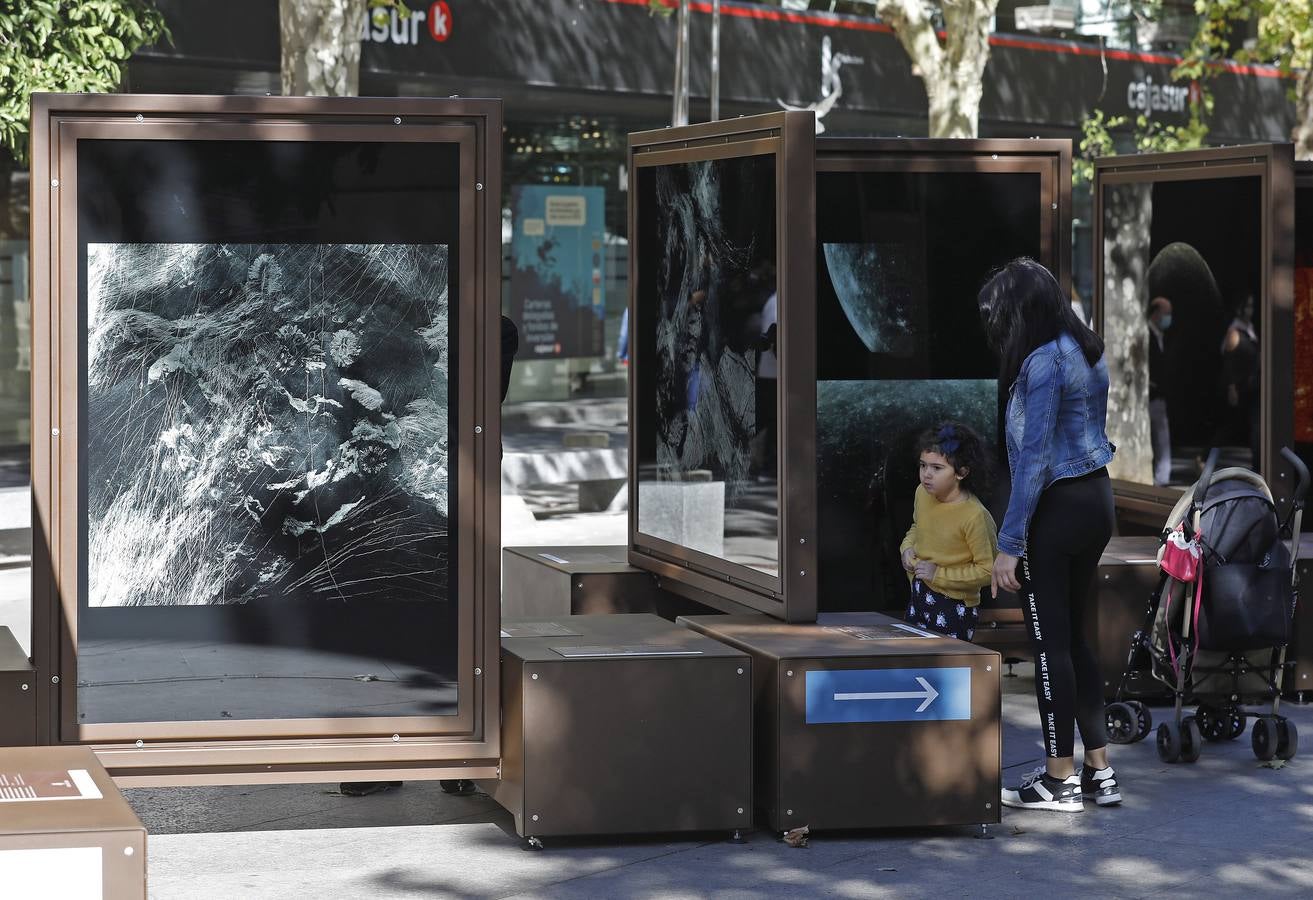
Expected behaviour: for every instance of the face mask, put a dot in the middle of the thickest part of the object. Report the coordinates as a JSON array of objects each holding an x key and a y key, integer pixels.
[{"x": 1165, "y": 322}]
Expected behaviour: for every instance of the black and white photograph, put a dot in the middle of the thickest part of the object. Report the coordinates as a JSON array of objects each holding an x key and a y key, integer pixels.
[
  {"x": 266, "y": 423},
  {"x": 708, "y": 329}
]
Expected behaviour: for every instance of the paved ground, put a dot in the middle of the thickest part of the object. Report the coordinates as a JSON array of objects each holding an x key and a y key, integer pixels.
[{"x": 1224, "y": 827}]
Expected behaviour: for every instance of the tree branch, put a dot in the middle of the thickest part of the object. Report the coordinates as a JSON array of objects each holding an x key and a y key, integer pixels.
[{"x": 915, "y": 30}]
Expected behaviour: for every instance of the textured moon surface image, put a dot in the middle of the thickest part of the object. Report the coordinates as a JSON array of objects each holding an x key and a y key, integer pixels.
[{"x": 874, "y": 284}]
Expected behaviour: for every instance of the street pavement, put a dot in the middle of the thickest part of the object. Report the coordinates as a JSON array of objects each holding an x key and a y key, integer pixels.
[{"x": 1223, "y": 827}]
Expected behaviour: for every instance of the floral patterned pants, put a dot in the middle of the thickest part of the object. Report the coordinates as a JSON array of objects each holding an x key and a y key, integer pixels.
[{"x": 945, "y": 615}]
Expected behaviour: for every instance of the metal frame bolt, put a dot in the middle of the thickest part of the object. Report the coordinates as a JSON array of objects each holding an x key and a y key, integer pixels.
[
  {"x": 128, "y": 851},
  {"x": 535, "y": 818},
  {"x": 737, "y": 672},
  {"x": 140, "y": 117},
  {"x": 478, "y": 185},
  {"x": 23, "y": 687},
  {"x": 788, "y": 812},
  {"x": 140, "y": 742},
  {"x": 478, "y": 429},
  {"x": 54, "y": 432},
  {"x": 789, "y": 673},
  {"x": 54, "y": 679},
  {"x": 397, "y": 120},
  {"x": 740, "y": 810},
  {"x": 478, "y": 671},
  {"x": 534, "y": 676}
]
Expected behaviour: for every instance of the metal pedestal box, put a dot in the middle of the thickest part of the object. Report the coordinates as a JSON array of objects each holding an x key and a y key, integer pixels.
[
  {"x": 1126, "y": 579},
  {"x": 863, "y": 722},
  {"x": 563, "y": 581},
  {"x": 65, "y": 830},
  {"x": 622, "y": 724},
  {"x": 17, "y": 693}
]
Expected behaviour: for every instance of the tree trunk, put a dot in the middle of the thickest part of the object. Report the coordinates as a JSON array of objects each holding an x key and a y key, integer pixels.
[
  {"x": 1127, "y": 213},
  {"x": 952, "y": 72},
  {"x": 1303, "y": 133},
  {"x": 321, "y": 46}
]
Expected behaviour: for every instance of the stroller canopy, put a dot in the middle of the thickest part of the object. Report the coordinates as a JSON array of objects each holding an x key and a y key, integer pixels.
[{"x": 1237, "y": 518}]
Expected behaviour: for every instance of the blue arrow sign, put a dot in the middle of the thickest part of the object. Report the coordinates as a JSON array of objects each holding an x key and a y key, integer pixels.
[{"x": 888, "y": 695}]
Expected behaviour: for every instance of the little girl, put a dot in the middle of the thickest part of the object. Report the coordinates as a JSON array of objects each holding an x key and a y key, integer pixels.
[{"x": 949, "y": 550}]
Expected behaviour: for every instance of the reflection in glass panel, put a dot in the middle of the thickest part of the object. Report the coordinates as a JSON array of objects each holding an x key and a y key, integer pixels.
[
  {"x": 900, "y": 349},
  {"x": 707, "y": 404},
  {"x": 1181, "y": 301},
  {"x": 1304, "y": 329},
  {"x": 266, "y": 501}
]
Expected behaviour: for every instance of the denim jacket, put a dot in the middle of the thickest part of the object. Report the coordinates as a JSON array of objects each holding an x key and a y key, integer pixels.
[{"x": 1056, "y": 413}]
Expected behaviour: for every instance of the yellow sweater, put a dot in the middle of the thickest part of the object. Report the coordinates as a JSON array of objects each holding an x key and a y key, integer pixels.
[{"x": 959, "y": 538}]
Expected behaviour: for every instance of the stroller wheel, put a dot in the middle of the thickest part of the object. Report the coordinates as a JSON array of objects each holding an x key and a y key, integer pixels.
[
  {"x": 1237, "y": 721},
  {"x": 1192, "y": 741},
  {"x": 1169, "y": 742},
  {"x": 1122, "y": 723},
  {"x": 1143, "y": 719},
  {"x": 1265, "y": 738},
  {"x": 1214, "y": 723},
  {"x": 1287, "y": 739}
]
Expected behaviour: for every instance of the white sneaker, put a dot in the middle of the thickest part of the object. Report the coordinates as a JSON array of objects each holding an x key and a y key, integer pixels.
[
  {"x": 1040, "y": 790},
  {"x": 1100, "y": 785}
]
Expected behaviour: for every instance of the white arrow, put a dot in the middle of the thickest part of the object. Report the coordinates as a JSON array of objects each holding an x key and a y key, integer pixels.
[{"x": 927, "y": 695}]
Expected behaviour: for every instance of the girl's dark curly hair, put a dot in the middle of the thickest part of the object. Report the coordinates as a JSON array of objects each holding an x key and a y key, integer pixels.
[{"x": 964, "y": 449}]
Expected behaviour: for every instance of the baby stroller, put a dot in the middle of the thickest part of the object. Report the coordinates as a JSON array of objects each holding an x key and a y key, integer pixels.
[{"x": 1217, "y": 639}]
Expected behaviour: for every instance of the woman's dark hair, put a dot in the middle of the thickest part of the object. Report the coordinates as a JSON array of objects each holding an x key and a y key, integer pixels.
[
  {"x": 1023, "y": 307},
  {"x": 964, "y": 449}
]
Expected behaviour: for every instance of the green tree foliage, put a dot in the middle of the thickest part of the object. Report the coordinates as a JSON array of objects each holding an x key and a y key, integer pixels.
[
  {"x": 68, "y": 46},
  {"x": 1281, "y": 36}
]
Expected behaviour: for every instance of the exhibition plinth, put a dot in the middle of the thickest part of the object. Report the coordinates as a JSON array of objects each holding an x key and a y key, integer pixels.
[
  {"x": 565, "y": 581},
  {"x": 623, "y": 724},
  {"x": 65, "y": 830},
  {"x": 1125, "y": 581},
  {"x": 17, "y": 693},
  {"x": 865, "y": 722}
]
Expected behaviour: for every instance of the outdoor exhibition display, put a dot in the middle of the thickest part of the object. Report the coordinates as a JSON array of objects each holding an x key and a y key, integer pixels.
[
  {"x": 722, "y": 393},
  {"x": 266, "y": 435},
  {"x": 1206, "y": 238},
  {"x": 907, "y": 231},
  {"x": 623, "y": 724}
]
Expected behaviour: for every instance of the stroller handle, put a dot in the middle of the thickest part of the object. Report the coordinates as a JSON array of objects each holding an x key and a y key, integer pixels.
[
  {"x": 1205, "y": 481},
  {"x": 1301, "y": 490}
]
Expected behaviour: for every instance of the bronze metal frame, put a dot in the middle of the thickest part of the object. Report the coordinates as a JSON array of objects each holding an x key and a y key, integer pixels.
[
  {"x": 790, "y": 137},
  {"x": 278, "y": 750},
  {"x": 1274, "y": 165}
]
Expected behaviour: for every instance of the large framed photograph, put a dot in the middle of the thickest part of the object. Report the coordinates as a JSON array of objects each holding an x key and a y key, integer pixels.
[
  {"x": 265, "y": 362},
  {"x": 1197, "y": 310},
  {"x": 722, "y": 391},
  {"x": 907, "y": 232}
]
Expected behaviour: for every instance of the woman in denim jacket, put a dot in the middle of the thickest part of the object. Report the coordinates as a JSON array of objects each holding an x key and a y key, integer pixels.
[{"x": 1058, "y": 521}]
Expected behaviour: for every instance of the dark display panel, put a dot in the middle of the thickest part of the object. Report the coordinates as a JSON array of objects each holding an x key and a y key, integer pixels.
[
  {"x": 1303, "y": 421},
  {"x": 900, "y": 348},
  {"x": 707, "y": 407},
  {"x": 267, "y": 334},
  {"x": 1193, "y": 249}
]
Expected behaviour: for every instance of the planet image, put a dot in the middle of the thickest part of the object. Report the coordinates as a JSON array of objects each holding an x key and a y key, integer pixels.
[{"x": 875, "y": 287}]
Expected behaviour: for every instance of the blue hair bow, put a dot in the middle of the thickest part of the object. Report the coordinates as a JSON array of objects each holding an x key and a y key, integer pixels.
[{"x": 947, "y": 440}]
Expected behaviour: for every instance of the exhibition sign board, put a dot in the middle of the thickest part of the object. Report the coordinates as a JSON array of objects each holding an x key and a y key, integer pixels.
[
  {"x": 907, "y": 232},
  {"x": 1207, "y": 237},
  {"x": 557, "y": 277},
  {"x": 722, "y": 391},
  {"x": 266, "y": 477}
]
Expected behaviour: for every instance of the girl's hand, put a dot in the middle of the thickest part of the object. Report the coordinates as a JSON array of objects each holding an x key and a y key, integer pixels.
[
  {"x": 909, "y": 559},
  {"x": 926, "y": 571},
  {"x": 1004, "y": 575}
]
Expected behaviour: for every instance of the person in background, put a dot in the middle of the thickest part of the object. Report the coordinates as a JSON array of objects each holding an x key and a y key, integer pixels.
[
  {"x": 1240, "y": 380},
  {"x": 1160, "y": 433}
]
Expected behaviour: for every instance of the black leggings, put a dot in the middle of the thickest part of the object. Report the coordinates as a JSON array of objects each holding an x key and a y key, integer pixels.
[{"x": 1068, "y": 532}]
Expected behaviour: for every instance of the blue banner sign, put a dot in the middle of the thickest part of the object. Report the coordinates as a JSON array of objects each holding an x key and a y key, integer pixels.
[{"x": 888, "y": 695}]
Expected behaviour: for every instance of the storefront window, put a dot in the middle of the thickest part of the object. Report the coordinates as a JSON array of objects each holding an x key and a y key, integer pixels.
[{"x": 15, "y": 405}]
